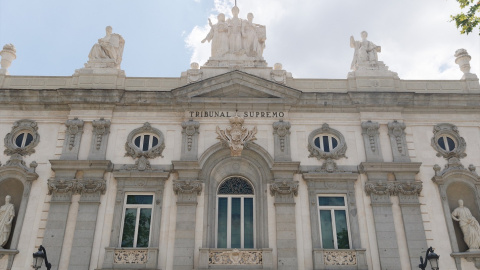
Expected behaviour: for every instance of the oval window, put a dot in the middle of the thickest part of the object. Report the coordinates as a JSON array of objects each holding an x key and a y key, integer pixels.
[
  {"x": 326, "y": 142},
  {"x": 145, "y": 142},
  {"x": 23, "y": 139},
  {"x": 446, "y": 143}
]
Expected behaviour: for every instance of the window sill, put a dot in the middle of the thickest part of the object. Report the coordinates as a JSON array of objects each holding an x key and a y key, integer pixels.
[
  {"x": 219, "y": 258},
  {"x": 130, "y": 258},
  {"x": 348, "y": 259}
]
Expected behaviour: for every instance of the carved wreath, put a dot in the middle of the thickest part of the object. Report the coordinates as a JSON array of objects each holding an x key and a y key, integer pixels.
[
  {"x": 156, "y": 151},
  {"x": 450, "y": 131},
  {"x": 27, "y": 126},
  {"x": 336, "y": 153}
]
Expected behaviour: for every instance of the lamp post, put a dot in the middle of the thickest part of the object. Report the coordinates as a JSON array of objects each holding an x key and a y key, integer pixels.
[
  {"x": 431, "y": 257},
  {"x": 38, "y": 258}
]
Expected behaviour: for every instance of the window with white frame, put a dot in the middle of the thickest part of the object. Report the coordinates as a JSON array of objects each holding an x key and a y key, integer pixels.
[
  {"x": 332, "y": 210},
  {"x": 446, "y": 142},
  {"x": 137, "y": 217},
  {"x": 326, "y": 142},
  {"x": 235, "y": 214},
  {"x": 145, "y": 142}
]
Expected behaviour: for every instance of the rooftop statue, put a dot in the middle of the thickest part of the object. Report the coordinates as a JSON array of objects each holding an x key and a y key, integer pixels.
[
  {"x": 107, "y": 53},
  {"x": 7, "y": 213},
  {"x": 236, "y": 41},
  {"x": 468, "y": 224},
  {"x": 365, "y": 54}
]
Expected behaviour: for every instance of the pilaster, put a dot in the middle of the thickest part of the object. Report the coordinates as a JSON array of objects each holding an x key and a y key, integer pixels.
[
  {"x": 373, "y": 150},
  {"x": 73, "y": 135},
  {"x": 100, "y": 134},
  {"x": 281, "y": 137},
  {"x": 398, "y": 141},
  {"x": 190, "y": 140}
]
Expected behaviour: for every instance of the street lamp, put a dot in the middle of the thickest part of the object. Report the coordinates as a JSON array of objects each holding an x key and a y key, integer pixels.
[
  {"x": 431, "y": 257},
  {"x": 38, "y": 258}
]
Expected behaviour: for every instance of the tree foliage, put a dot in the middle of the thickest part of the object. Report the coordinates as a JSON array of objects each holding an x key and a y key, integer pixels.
[{"x": 468, "y": 19}]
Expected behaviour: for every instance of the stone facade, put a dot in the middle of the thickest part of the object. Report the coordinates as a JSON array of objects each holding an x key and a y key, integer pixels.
[{"x": 124, "y": 172}]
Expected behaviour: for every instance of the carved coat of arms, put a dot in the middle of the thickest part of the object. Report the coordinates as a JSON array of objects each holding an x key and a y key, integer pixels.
[{"x": 236, "y": 136}]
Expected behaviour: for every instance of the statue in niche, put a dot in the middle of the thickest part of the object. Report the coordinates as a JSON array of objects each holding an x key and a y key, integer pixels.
[
  {"x": 108, "y": 47},
  {"x": 469, "y": 226},
  {"x": 219, "y": 36},
  {"x": 254, "y": 37},
  {"x": 365, "y": 52},
  {"x": 7, "y": 213}
]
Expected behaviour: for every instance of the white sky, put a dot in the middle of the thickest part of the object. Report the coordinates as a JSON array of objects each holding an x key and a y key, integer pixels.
[{"x": 309, "y": 37}]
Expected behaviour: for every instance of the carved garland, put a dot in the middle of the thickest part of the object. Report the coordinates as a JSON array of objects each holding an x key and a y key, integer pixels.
[
  {"x": 284, "y": 188},
  {"x": 336, "y": 153},
  {"x": 235, "y": 257},
  {"x": 187, "y": 186},
  {"x": 340, "y": 257},
  {"x": 130, "y": 256},
  {"x": 20, "y": 126},
  {"x": 394, "y": 188},
  {"x": 77, "y": 186}
]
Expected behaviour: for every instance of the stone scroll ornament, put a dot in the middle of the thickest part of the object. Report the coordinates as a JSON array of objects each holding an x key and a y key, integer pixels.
[
  {"x": 469, "y": 225},
  {"x": 236, "y": 136},
  {"x": 7, "y": 213}
]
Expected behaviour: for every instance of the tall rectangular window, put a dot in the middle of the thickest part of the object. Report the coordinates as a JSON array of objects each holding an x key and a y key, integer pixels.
[
  {"x": 235, "y": 222},
  {"x": 137, "y": 217},
  {"x": 333, "y": 217}
]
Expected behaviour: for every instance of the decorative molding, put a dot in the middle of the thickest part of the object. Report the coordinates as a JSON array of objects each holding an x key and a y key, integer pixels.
[
  {"x": 282, "y": 130},
  {"x": 340, "y": 257},
  {"x": 329, "y": 166},
  {"x": 451, "y": 131},
  {"x": 454, "y": 167},
  {"x": 156, "y": 151},
  {"x": 235, "y": 257},
  {"x": 370, "y": 129},
  {"x": 19, "y": 126},
  {"x": 236, "y": 136},
  {"x": 187, "y": 187},
  {"x": 336, "y": 153},
  {"x": 408, "y": 188},
  {"x": 380, "y": 188},
  {"x": 190, "y": 131},
  {"x": 284, "y": 188},
  {"x": 77, "y": 186},
  {"x": 398, "y": 141},
  {"x": 74, "y": 127},
  {"x": 190, "y": 128},
  {"x": 130, "y": 256},
  {"x": 101, "y": 128}
]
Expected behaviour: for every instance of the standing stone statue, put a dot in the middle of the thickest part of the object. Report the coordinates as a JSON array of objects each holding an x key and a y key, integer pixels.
[
  {"x": 7, "y": 213},
  {"x": 253, "y": 37},
  {"x": 108, "y": 50},
  {"x": 235, "y": 32},
  {"x": 219, "y": 36},
  {"x": 468, "y": 224},
  {"x": 365, "y": 54}
]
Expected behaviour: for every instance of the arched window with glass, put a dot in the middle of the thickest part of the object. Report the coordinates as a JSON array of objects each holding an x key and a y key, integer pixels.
[{"x": 235, "y": 214}]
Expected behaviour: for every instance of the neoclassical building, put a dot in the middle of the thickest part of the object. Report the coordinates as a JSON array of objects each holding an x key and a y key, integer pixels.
[{"x": 238, "y": 165}]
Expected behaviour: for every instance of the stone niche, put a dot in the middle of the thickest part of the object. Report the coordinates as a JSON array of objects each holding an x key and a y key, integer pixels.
[
  {"x": 14, "y": 188},
  {"x": 455, "y": 192}
]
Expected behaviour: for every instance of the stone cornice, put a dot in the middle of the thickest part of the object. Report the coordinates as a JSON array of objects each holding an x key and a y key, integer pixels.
[
  {"x": 389, "y": 167},
  {"x": 86, "y": 165},
  {"x": 336, "y": 176}
]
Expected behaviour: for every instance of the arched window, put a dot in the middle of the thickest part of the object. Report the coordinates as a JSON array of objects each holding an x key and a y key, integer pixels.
[{"x": 235, "y": 214}]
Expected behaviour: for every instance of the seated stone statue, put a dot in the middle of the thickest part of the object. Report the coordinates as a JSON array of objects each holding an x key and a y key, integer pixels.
[
  {"x": 365, "y": 54},
  {"x": 108, "y": 51},
  {"x": 7, "y": 213},
  {"x": 468, "y": 224}
]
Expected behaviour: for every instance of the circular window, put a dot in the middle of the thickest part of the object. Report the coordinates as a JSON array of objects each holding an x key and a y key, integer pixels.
[
  {"x": 446, "y": 143},
  {"x": 326, "y": 142},
  {"x": 23, "y": 139},
  {"x": 145, "y": 142}
]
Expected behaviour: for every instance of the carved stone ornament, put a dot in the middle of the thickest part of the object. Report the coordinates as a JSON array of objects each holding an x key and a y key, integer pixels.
[
  {"x": 370, "y": 129},
  {"x": 194, "y": 74},
  {"x": 27, "y": 128},
  {"x": 235, "y": 257},
  {"x": 77, "y": 186},
  {"x": 74, "y": 127},
  {"x": 278, "y": 74},
  {"x": 190, "y": 128},
  {"x": 135, "y": 152},
  {"x": 8, "y": 54},
  {"x": 284, "y": 188},
  {"x": 397, "y": 136},
  {"x": 337, "y": 257},
  {"x": 450, "y": 131},
  {"x": 329, "y": 166},
  {"x": 408, "y": 188},
  {"x": 380, "y": 188},
  {"x": 454, "y": 166},
  {"x": 282, "y": 129},
  {"x": 335, "y": 153},
  {"x": 187, "y": 187},
  {"x": 130, "y": 256},
  {"x": 236, "y": 136},
  {"x": 100, "y": 128}
]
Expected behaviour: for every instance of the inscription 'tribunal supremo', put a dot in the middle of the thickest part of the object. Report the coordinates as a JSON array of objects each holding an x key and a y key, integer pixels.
[{"x": 249, "y": 114}]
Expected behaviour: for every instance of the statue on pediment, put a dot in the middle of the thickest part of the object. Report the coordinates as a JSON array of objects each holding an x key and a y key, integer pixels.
[
  {"x": 7, "y": 213},
  {"x": 108, "y": 52},
  {"x": 469, "y": 225},
  {"x": 254, "y": 37},
  {"x": 218, "y": 35},
  {"x": 365, "y": 54}
]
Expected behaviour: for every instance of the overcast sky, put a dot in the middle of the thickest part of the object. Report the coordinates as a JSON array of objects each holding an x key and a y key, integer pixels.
[{"x": 309, "y": 37}]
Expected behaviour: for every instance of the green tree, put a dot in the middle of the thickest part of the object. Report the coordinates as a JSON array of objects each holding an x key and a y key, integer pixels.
[{"x": 467, "y": 21}]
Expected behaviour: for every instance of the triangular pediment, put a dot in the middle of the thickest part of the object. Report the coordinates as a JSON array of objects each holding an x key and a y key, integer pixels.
[{"x": 236, "y": 87}]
